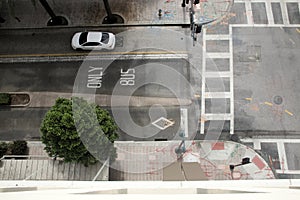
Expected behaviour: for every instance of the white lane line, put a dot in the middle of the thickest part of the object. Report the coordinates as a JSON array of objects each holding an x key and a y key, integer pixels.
[
  {"x": 231, "y": 82},
  {"x": 217, "y": 37},
  {"x": 249, "y": 12},
  {"x": 269, "y": 12},
  {"x": 284, "y": 12},
  {"x": 203, "y": 82},
  {"x": 218, "y": 55}
]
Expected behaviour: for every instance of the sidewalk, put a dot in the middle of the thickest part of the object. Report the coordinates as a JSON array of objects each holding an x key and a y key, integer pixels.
[
  {"x": 92, "y": 12},
  {"x": 145, "y": 161},
  {"x": 23, "y": 14},
  {"x": 47, "y": 99},
  {"x": 39, "y": 166}
]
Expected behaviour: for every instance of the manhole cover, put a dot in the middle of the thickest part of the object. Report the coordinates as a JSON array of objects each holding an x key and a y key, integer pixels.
[{"x": 278, "y": 100}]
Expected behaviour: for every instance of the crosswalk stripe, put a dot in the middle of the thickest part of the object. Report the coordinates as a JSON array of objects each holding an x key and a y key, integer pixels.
[
  {"x": 249, "y": 12},
  {"x": 217, "y": 37},
  {"x": 284, "y": 12},
  {"x": 217, "y": 74},
  {"x": 269, "y": 12},
  {"x": 217, "y": 95},
  {"x": 219, "y": 116},
  {"x": 218, "y": 55}
]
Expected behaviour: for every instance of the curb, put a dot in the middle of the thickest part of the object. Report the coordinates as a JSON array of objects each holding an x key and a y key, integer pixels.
[{"x": 183, "y": 25}]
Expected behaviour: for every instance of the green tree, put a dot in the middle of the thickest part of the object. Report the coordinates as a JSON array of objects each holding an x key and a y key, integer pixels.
[
  {"x": 5, "y": 99},
  {"x": 76, "y": 130}
]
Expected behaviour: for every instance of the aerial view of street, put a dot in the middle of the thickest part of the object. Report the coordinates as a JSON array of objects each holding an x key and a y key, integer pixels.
[{"x": 106, "y": 91}]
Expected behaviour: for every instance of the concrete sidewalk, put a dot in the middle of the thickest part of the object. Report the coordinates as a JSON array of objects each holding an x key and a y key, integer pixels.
[
  {"x": 47, "y": 99},
  {"x": 92, "y": 12},
  {"x": 24, "y": 14}
]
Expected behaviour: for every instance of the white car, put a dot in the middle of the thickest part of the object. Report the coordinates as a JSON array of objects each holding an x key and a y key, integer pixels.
[{"x": 93, "y": 41}]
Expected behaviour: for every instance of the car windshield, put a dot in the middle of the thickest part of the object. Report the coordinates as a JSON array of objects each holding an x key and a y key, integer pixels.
[
  {"x": 105, "y": 38},
  {"x": 83, "y": 38}
]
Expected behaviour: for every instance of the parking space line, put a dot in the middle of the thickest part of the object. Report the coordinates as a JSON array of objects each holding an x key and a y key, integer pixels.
[
  {"x": 284, "y": 12},
  {"x": 269, "y": 12},
  {"x": 249, "y": 13}
]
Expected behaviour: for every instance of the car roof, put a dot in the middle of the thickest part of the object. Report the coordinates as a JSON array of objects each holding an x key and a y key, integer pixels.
[{"x": 94, "y": 36}]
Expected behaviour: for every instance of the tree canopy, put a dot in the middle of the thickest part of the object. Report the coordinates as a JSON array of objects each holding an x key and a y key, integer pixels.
[{"x": 76, "y": 130}]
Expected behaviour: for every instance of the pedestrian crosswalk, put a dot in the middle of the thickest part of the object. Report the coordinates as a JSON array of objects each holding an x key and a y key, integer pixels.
[
  {"x": 277, "y": 11},
  {"x": 256, "y": 13},
  {"x": 207, "y": 74}
]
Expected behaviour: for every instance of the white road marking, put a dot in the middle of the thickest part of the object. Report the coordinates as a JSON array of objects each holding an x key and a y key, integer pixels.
[
  {"x": 249, "y": 12},
  {"x": 217, "y": 74},
  {"x": 218, "y": 95},
  {"x": 219, "y": 116},
  {"x": 261, "y": 1},
  {"x": 165, "y": 123},
  {"x": 265, "y": 25},
  {"x": 203, "y": 81},
  {"x": 281, "y": 151},
  {"x": 184, "y": 121},
  {"x": 231, "y": 81},
  {"x": 284, "y": 12},
  {"x": 218, "y": 55},
  {"x": 282, "y": 156},
  {"x": 217, "y": 37},
  {"x": 269, "y": 12}
]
